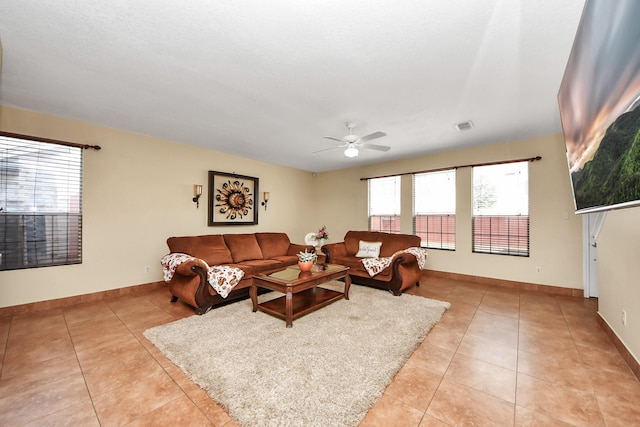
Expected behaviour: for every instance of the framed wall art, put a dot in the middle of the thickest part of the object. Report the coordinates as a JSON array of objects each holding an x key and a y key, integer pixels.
[
  {"x": 599, "y": 101},
  {"x": 232, "y": 199}
]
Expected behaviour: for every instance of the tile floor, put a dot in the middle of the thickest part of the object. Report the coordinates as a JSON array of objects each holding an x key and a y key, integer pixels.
[{"x": 499, "y": 357}]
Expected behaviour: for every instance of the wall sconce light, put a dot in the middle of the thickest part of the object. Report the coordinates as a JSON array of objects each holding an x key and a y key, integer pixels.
[
  {"x": 265, "y": 199},
  {"x": 197, "y": 191}
]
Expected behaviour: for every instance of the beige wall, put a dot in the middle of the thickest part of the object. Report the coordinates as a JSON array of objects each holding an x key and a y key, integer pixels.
[
  {"x": 138, "y": 189},
  {"x": 137, "y": 192},
  {"x": 619, "y": 275},
  {"x": 555, "y": 240}
]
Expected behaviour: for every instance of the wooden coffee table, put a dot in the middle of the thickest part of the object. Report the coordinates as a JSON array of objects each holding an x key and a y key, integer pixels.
[{"x": 301, "y": 292}]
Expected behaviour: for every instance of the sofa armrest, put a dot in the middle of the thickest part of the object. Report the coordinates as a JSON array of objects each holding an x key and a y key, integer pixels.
[
  {"x": 187, "y": 279},
  {"x": 405, "y": 258},
  {"x": 333, "y": 250},
  {"x": 187, "y": 267},
  {"x": 202, "y": 295}
]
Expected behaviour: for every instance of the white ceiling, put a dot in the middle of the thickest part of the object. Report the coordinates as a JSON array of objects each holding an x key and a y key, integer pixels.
[{"x": 268, "y": 79}]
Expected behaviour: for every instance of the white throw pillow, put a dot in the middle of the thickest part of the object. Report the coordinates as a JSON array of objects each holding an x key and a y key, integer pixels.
[{"x": 369, "y": 249}]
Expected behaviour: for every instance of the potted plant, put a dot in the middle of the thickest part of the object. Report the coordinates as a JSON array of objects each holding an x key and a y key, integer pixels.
[{"x": 306, "y": 260}]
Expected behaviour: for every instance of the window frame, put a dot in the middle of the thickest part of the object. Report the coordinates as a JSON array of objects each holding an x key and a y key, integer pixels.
[
  {"x": 503, "y": 230},
  {"x": 41, "y": 212},
  {"x": 436, "y": 227},
  {"x": 379, "y": 218}
]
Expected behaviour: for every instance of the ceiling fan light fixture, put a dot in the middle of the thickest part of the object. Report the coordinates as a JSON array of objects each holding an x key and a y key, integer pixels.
[
  {"x": 352, "y": 143},
  {"x": 351, "y": 151}
]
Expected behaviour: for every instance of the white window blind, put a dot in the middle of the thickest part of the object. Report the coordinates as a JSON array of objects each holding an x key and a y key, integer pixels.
[
  {"x": 501, "y": 209},
  {"x": 434, "y": 208},
  {"x": 40, "y": 204},
  {"x": 384, "y": 204}
]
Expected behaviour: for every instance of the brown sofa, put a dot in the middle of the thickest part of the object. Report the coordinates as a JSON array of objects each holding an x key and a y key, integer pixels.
[
  {"x": 252, "y": 253},
  {"x": 403, "y": 272}
]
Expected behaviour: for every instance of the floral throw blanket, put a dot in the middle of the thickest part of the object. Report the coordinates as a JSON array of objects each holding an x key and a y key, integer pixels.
[
  {"x": 376, "y": 265},
  {"x": 221, "y": 277}
]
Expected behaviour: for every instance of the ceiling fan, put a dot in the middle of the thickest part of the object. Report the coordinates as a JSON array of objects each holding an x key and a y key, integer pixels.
[{"x": 351, "y": 143}]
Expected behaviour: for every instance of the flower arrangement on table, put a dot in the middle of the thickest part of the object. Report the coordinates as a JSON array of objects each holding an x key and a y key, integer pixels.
[{"x": 322, "y": 234}]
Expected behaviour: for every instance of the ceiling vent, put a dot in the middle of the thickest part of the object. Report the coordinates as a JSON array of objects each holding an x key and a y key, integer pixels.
[{"x": 461, "y": 127}]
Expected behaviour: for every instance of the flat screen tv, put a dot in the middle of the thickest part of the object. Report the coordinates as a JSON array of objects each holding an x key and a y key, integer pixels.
[{"x": 598, "y": 99}]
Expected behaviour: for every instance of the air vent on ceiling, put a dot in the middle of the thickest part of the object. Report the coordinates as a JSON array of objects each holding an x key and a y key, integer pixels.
[{"x": 460, "y": 127}]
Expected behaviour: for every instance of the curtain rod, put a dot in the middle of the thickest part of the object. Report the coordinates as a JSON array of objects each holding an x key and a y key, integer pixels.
[
  {"x": 50, "y": 141},
  {"x": 530, "y": 159}
]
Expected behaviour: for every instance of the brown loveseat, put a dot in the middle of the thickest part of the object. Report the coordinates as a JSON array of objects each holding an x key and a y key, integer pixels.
[
  {"x": 252, "y": 253},
  {"x": 403, "y": 271}
]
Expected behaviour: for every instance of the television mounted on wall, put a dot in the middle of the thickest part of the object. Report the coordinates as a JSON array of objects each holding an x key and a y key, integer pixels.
[{"x": 599, "y": 100}]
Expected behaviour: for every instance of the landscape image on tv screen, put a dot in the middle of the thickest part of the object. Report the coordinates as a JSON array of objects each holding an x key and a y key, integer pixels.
[{"x": 598, "y": 99}]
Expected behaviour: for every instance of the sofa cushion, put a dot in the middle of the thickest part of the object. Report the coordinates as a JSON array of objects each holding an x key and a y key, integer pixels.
[
  {"x": 243, "y": 247},
  {"x": 214, "y": 250},
  {"x": 368, "y": 249},
  {"x": 357, "y": 268},
  {"x": 391, "y": 242},
  {"x": 273, "y": 244},
  {"x": 261, "y": 265},
  {"x": 246, "y": 268},
  {"x": 183, "y": 245},
  {"x": 287, "y": 259},
  {"x": 352, "y": 240},
  {"x": 210, "y": 248},
  {"x": 349, "y": 261}
]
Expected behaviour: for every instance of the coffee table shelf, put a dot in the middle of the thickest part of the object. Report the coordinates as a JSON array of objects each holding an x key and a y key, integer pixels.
[
  {"x": 301, "y": 292},
  {"x": 304, "y": 302}
]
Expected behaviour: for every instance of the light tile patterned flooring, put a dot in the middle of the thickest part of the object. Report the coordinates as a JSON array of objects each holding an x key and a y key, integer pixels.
[{"x": 499, "y": 357}]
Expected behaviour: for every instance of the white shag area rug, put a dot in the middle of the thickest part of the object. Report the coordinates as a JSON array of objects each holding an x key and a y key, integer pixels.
[{"x": 327, "y": 370}]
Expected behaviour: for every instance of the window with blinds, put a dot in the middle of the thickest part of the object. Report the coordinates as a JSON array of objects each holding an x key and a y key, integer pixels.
[
  {"x": 434, "y": 209},
  {"x": 40, "y": 204},
  {"x": 501, "y": 209},
  {"x": 384, "y": 204}
]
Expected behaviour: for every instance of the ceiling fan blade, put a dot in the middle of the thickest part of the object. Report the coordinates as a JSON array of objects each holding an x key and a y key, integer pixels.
[
  {"x": 326, "y": 149},
  {"x": 333, "y": 139},
  {"x": 375, "y": 147},
  {"x": 372, "y": 136}
]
